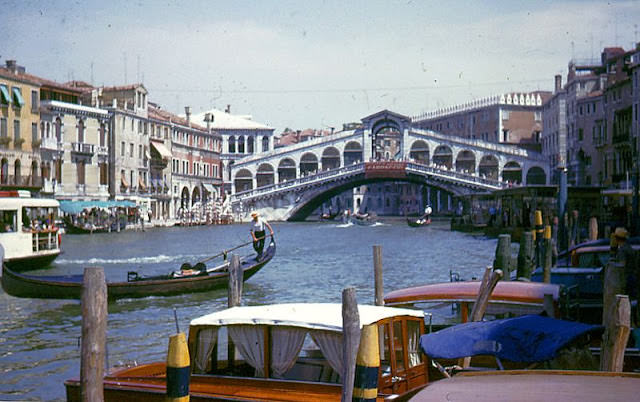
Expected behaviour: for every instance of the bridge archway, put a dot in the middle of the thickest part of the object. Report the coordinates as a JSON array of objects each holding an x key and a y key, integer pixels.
[
  {"x": 420, "y": 152},
  {"x": 308, "y": 164},
  {"x": 286, "y": 170},
  {"x": 330, "y": 158},
  {"x": 466, "y": 162},
  {"x": 265, "y": 175},
  {"x": 352, "y": 153},
  {"x": 243, "y": 180},
  {"x": 489, "y": 167},
  {"x": 536, "y": 175},
  {"x": 512, "y": 172},
  {"x": 443, "y": 156}
]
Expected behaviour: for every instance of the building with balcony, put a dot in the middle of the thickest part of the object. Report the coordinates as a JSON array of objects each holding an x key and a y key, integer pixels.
[{"x": 19, "y": 118}]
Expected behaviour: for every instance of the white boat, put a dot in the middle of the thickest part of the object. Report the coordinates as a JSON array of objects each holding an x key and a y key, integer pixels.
[{"x": 28, "y": 235}]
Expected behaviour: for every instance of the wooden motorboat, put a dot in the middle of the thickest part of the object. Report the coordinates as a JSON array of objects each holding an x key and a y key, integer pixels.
[
  {"x": 199, "y": 278},
  {"x": 283, "y": 352},
  {"x": 512, "y": 297},
  {"x": 28, "y": 234},
  {"x": 533, "y": 386}
]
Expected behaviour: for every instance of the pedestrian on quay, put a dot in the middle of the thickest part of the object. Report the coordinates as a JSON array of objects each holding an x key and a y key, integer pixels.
[{"x": 258, "y": 232}]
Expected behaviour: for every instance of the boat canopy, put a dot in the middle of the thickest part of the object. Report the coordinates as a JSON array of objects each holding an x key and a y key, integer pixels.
[
  {"x": 17, "y": 202},
  {"x": 75, "y": 207},
  {"x": 316, "y": 316},
  {"x": 529, "y": 338}
]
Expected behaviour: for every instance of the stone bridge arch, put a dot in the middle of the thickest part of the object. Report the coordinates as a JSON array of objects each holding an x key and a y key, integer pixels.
[{"x": 419, "y": 152}]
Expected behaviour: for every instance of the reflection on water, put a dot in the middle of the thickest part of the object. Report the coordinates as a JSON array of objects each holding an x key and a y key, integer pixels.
[{"x": 39, "y": 339}]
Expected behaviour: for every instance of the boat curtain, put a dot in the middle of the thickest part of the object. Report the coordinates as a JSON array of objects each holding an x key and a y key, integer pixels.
[
  {"x": 286, "y": 343},
  {"x": 330, "y": 344},
  {"x": 207, "y": 339},
  {"x": 249, "y": 339},
  {"x": 414, "y": 347}
]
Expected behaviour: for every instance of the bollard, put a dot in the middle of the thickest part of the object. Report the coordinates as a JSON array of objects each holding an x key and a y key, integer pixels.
[
  {"x": 377, "y": 273},
  {"x": 525, "y": 256},
  {"x": 178, "y": 366},
  {"x": 538, "y": 238},
  {"x": 94, "y": 334},
  {"x": 351, "y": 339},
  {"x": 365, "y": 386},
  {"x": 616, "y": 335}
]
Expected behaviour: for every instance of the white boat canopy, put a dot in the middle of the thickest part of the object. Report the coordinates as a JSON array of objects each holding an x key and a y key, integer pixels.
[{"x": 315, "y": 316}]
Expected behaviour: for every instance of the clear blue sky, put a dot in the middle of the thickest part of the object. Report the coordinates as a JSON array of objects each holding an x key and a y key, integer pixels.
[{"x": 313, "y": 64}]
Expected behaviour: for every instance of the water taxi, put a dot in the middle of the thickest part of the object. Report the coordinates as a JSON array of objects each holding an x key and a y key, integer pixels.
[
  {"x": 281, "y": 352},
  {"x": 28, "y": 233}
]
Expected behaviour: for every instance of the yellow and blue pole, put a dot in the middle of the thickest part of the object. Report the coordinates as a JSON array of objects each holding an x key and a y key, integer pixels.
[
  {"x": 365, "y": 385},
  {"x": 178, "y": 369}
]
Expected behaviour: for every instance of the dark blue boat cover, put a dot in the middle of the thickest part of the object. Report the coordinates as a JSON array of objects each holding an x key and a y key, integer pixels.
[{"x": 528, "y": 338}]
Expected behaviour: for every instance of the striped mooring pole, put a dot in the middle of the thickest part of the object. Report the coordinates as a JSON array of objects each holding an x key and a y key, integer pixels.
[
  {"x": 178, "y": 369},
  {"x": 365, "y": 385}
]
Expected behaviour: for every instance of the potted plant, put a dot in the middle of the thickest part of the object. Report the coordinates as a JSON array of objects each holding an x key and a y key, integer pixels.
[
  {"x": 4, "y": 141},
  {"x": 18, "y": 143},
  {"x": 36, "y": 143}
]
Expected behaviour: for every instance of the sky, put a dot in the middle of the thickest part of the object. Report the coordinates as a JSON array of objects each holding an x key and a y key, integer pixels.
[{"x": 313, "y": 64}]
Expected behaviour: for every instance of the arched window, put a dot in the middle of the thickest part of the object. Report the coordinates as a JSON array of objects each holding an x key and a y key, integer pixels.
[
  {"x": 232, "y": 145},
  {"x": 58, "y": 129},
  {"x": 265, "y": 144},
  {"x": 81, "y": 131}
]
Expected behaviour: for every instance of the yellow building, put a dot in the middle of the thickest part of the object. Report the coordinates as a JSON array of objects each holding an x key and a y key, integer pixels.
[{"x": 19, "y": 120}]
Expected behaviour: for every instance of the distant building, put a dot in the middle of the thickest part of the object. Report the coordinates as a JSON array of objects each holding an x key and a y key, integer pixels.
[
  {"x": 241, "y": 137},
  {"x": 512, "y": 118}
]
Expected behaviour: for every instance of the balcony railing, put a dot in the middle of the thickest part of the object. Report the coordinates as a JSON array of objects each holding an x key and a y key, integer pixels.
[
  {"x": 102, "y": 151},
  {"x": 82, "y": 148},
  {"x": 52, "y": 144}
]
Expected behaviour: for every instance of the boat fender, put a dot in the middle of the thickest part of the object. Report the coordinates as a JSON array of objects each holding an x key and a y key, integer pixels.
[
  {"x": 178, "y": 369},
  {"x": 365, "y": 385}
]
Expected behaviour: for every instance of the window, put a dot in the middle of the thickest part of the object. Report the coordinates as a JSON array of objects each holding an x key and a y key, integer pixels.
[
  {"x": 58, "y": 129},
  {"x": 17, "y": 97},
  {"x": 34, "y": 132},
  {"x": 80, "y": 131},
  {"x": 3, "y": 127},
  {"x": 398, "y": 347},
  {"x": 103, "y": 136},
  {"x": 5, "y": 99},
  {"x": 104, "y": 175},
  {"x": 122, "y": 148},
  {"x": 139, "y": 151},
  {"x": 80, "y": 172},
  {"x": 131, "y": 150},
  {"x": 580, "y": 134},
  {"x": 16, "y": 129},
  {"x": 34, "y": 101},
  {"x": 413, "y": 335},
  {"x": 537, "y": 116}
]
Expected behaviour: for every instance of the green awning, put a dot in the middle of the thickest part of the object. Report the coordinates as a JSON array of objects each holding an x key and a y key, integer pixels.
[
  {"x": 17, "y": 97},
  {"x": 4, "y": 93},
  {"x": 75, "y": 207}
]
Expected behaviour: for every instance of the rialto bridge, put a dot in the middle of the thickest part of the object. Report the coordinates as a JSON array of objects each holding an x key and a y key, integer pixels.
[{"x": 289, "y": 183}]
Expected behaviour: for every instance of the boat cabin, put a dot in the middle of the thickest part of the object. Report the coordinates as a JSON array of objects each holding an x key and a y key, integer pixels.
[
  {"x": 303, "y": 342},
  {"x": 28, "y": 233},
  {"x": 284, "y": 352}
]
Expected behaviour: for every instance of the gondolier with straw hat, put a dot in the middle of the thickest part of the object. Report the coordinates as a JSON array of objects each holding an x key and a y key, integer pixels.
[{"x": 258, "y": 232}]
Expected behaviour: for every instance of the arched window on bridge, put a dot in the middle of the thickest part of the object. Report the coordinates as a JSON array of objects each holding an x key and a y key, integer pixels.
[
  {"x": 352, "y": 153},
  {"x": 286, "y": 170},
  {"x": 232, "y": 144},
  {"x": 330, "y": 158},
  {"x": 265, "y": 175},
  {"x": 536, "y": 175},
  {"x": 488, "y": 167},
  {"x": 420, "y": 152},
  {"x": 466, "y": 162},
  {"x": 243, "y": 181},
  {"x": 308, "y": 164},
  {"x": 512, "y": 173},
  {"x": 443, "y": 156},
  {"x": 265, "y": 143}
]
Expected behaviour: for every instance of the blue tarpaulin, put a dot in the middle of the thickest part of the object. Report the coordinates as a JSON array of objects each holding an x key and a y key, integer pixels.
[
  {"x": 75, "y": 207},
  {"x": 528, "y": 338}
]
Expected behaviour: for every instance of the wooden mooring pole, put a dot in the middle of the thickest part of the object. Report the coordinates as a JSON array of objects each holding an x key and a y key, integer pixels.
[
  {"x": 526, "y": 260},
  {"x": 616, "y": 335},
  {"x": 377, "y": 273},
  {"x": 234, "y": 298},
  {"x": 547, "y": 261},
  {"x": 503, "y": 255},
  {"x": 351, "y": 341},
  {"x": 94, "y": 334}
]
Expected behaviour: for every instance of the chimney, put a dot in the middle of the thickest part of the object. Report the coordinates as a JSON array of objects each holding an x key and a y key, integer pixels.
[
  {"x": 558, "y": 82},
  {"x": 187, "y": 112},
  {"x": 228, "y": 109},
  {"x": 12, "y": 66},
  {"x": 208, "y": 118}
]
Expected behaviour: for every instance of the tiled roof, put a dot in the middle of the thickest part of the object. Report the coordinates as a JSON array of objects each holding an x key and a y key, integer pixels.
[
  {"x": 36, "y": 80},
  {"x": 164, "y": 115}
]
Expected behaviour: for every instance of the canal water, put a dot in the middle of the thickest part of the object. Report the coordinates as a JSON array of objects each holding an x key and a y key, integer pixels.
[{"x": 39, "y": 339}]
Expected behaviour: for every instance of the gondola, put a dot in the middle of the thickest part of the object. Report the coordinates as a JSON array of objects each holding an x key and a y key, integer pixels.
[
  {"x": 418, "y": 222},
  {"x": 329, "y": 216},
  {"x": 72, "y": 228},
  {"x": 198, "y": 278}
]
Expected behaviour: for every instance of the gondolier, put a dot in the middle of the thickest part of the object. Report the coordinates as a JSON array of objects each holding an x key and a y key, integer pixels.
[{"x": 258, "y": 232}]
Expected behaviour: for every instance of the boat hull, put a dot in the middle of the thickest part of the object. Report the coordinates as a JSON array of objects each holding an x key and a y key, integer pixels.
[
  {"x": 32, "y": 262},
  {"x": 70, "y": 286},
  {"x": 415, "y": 224}
]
